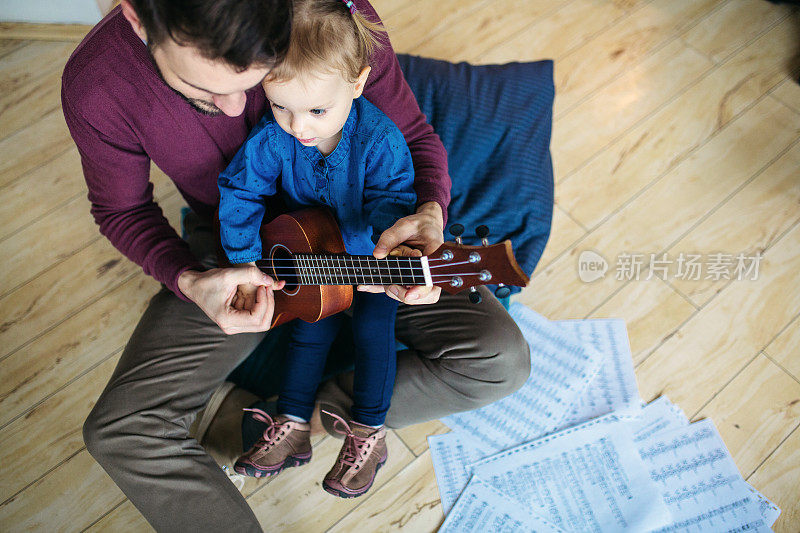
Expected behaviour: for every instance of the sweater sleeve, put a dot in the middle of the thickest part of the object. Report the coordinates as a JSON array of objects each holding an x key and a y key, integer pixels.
[
  {"x": 388, "y": 181},
  {"x": 117, "y": 173},
  {"x": 389, "y": 91},
  {"x": 243, "y": 187}
]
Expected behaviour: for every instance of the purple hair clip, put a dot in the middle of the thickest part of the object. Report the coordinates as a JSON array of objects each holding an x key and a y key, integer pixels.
[{"x": 350, "y": 6}]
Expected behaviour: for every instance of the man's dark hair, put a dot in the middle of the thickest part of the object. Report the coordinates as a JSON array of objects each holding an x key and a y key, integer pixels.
[{"x": 243, "y": 33}]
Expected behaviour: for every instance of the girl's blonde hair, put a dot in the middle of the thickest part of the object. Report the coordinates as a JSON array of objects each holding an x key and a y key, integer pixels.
[{"x": 326, "y": 36}]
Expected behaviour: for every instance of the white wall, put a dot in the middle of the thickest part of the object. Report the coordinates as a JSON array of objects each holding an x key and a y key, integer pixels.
[{"x": 50, "y": 11}]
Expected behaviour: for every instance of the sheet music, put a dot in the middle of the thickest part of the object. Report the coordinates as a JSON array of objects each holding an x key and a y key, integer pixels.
[
  {"x": 451, "y": 454},
  {"x": 699, "y": 481},
  {"x": 658, "y": 416},
  {"x": 560, "y": 372},
  {"x": 614, "y": 387},
  {"x": 769, "y": 511},
  {"x": 482, "y": 509},
  {"x": 586, "y": 478}
]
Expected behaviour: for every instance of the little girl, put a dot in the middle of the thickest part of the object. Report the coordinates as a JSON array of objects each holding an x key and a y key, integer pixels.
[{"x": 324, "y": 145}]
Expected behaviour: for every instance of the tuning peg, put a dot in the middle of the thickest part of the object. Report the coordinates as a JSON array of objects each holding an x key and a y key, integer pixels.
[
  {"x": 502, "y": 291},
  {"x": 456, "y": 230},
  {"x": 474, "y": 295},
  {"x": 482, "y": 232}
]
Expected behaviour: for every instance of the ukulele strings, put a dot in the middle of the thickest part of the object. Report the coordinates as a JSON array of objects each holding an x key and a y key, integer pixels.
[{"x": 318, "y": 261}]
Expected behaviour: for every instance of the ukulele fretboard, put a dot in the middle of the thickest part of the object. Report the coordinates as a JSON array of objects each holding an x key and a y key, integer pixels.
[{"x": 359, "y": 270}]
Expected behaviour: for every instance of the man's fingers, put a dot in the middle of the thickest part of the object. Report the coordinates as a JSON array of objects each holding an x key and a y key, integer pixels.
[
  {"x": 390, "y": 239},
  {"x": 371, "y": 288},
  {"x": 251, "y": 275}
]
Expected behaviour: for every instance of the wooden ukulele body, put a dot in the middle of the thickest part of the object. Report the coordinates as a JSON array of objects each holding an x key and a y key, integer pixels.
[{"x": 307, "y": 231}]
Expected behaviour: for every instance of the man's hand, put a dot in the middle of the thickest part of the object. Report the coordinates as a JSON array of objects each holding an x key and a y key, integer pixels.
[
  {"x": 414, "y": 235},
  {"x": 214, "y": 292}
]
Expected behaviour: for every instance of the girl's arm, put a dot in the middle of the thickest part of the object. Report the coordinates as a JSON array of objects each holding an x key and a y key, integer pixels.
[
  {"x": 388, "y": 183},
  {"x": 243, "y": 187}
]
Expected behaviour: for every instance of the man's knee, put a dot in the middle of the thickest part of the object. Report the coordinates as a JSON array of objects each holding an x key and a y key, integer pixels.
[
  {"x": 511, "y": 362},
  {"x": 95, "y": 434},
  {"x": 499, "y": 369}
]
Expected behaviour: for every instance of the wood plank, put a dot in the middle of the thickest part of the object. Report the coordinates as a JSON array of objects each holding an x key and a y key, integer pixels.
[
  {"x": 788, "y": 92},
  {"x": 73, "y": 347},
  {"x": 55, "y": 183},
  {"x": 785, "y": 349},
  {"x": 123, "y": 518},
  {"x": 748, "y": 223},
  {"x": 623, "y": 45},
  {"x": 669, "y": 209},
  {"x": 60, "y": 291},
  {"x": 727, "y": 333},
  {"x": 734, "y": 24},
  {"x": 57, "y": 235},
  {"x": 29, "y": 103},
  {"x": 409, "y": 502},
  {"x": 777, "y": 478},
  {"x": 387, "y": 8},
  {"x": 755, "y": 412},
  {"x": 51, "y": 432},
  {"x": 416, "y": 436},
  {"x": 664, "y": 139},
  {"x": 31, "y": 62},
  {"x": 44, "y": 32},
  {"x": 564, "y": 233},
  {"x": 9, "y": 45},
  {"x": 295, "y": 501},
  {"x": 556, "y": 34},
  {"x": 487, "y": 27},
  {"x": 33, "y": 146},
  {"x": 47, "y": 506},
  {"x": 587, "y": 128},
  {"x": 417, "y": 22},
  {"x": 652, "y": 311},
  {"x": 53, "y": 238}
]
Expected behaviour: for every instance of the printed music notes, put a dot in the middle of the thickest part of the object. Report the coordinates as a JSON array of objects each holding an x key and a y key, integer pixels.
[{"x": 575, "y": 449}]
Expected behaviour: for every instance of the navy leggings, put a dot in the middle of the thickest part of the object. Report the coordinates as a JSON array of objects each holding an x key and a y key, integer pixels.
[{"x": 375, "y": 360}]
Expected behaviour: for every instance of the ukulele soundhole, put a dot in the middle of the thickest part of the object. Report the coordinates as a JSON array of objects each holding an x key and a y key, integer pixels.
[{"x": 283, "y": 268}]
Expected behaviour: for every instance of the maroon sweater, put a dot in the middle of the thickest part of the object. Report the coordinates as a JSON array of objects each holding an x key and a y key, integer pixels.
[{"x": 122, "y": 115}]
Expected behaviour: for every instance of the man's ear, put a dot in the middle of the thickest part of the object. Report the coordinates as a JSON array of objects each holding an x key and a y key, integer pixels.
[
  {"x": 129, "y": 13},
  {"x": 361, "y": 82}
]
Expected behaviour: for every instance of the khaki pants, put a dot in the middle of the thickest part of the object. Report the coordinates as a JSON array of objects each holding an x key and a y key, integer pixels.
[{"x": 462, "y": 356}]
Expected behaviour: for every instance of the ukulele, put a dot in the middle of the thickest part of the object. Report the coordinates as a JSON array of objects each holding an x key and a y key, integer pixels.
[{"x": 305, "y": 249}]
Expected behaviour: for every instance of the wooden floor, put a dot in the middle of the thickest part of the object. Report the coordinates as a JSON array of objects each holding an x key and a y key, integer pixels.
[{"x": 676, "y": 130}]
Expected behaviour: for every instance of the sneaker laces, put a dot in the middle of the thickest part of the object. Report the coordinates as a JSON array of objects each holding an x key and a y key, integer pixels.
[
  {"x": 356, "y": 448},
  {"x": 270, "y": 433}
]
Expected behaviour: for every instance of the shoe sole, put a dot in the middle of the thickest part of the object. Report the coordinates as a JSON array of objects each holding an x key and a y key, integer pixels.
[
  {"x": 341, "y": 494},
  {"x": 249, "y": 469}
]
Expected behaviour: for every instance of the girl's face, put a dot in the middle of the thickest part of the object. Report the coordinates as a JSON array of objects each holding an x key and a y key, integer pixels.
[{"x": 314, "y": 108}]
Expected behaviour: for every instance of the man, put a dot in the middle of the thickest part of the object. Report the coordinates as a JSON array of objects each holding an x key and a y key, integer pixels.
[{"x": 177, "y": 83}]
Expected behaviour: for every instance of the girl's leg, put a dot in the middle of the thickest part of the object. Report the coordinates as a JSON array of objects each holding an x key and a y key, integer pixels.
[
  {"x": 376, "y": 357},
  {"x": 305, "y": 362}
]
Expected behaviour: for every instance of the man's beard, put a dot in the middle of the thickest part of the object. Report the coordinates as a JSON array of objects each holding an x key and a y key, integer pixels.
[{"x": 206, "y": 108}]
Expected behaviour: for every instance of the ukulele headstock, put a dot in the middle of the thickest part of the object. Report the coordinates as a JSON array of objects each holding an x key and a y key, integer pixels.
[{"x": 456, "y": 266}]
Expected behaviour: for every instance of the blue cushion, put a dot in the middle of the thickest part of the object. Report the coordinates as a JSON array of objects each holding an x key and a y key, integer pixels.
[{"x": 495, "y": 122}]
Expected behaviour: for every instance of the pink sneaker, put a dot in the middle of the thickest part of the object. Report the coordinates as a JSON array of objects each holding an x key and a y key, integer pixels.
[
  {"x": 285, "y": 443},
  {"x": 363, "y": 453}
]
